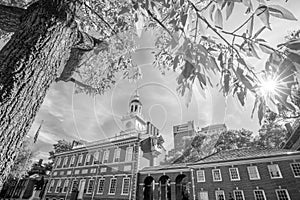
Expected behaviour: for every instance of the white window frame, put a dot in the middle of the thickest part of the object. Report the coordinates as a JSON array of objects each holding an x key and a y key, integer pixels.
[
  {"x": 242, "y": 192},
  {"x": 206, "y": 192},
  {"x": 257, "y": 173},
  {"x": 58, "y": 162},
  {"x": 88, "y": 186},
  {"x": 87, "y": 159},
  {"x": 72, "y": 161},
  {"x": 80, "y": 159},
  {"x": 65, "y": 161},
  {"x": 105, "y": 156},
  {"x": 221, "y": 192},
  {"x": 129, "y": 154},
  {"x": 74, "y": 181},
  {"x": 101, "y": 179},
  {"x": 66, "y": 185},
  {"x": 117, "y": 155},
  {"x": 286, "y": 191},
  {"x": 115, "y": 186},
  {"x": 295, "y": 163},
  {"x": 123, "y": 184},
  {"x": 262, "y": 191},
  {"x": 58, "y": 185},
  {"x": 199, "y": 173},
  {"x": 237, "y": 172},
  {"x": 115, "y": 168},
  {"x": 127, "y": 166},
  {"x": 51, "y": 186},
  {"x": 213, "y": 175},
  {"x": 278, "y": 169},
  {"x": 96, "y": 157}
]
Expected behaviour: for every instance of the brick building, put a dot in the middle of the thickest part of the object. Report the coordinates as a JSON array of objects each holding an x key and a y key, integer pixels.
[
  {"x": 241, "y": 174},
  {"x": 107, "y": 169}
]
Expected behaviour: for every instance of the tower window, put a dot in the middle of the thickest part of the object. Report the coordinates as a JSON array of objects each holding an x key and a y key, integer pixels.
[
  {"x": 131, "y": 109},
  {"x": 135, "y": 108}
]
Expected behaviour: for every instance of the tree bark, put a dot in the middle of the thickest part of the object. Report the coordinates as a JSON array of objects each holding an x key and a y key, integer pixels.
[{"x": 29, "y": 63}]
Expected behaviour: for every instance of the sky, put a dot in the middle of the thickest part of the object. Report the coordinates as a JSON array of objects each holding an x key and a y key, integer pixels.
[{"x": 72, "y": 116}]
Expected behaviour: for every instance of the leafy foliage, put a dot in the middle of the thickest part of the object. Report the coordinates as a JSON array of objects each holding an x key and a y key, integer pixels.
[
  {"x": 59, "y": 147},
  {"x": 23, "y": 161},
  {"x": 190, "y": 38}
]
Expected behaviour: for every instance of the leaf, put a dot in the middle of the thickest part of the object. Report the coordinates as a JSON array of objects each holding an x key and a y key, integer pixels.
[
  {"x": 175, "y": 62},
  {"x": 201, "y": 77},
  {"x": 218, "y": 19},
  {"x": 261, "y": 111},
  {"x": 259, "y": 32},
  {"x": 243, "y": 79},
  {"x": 265, "y": 49},
  {"x": 254, "y": 106},
  {"x": 183, "y": 19},
  {"x": 188, "y": 69},
  {"x": 263, "y": 13},
  {"x": 241, "y": 96},
  {"x": 250, "y": 26},
  {"x": 229, "y": 9},
  {"x": 211, "y": 11},
  {"x": 281, "y": 12},
  {"x": 294, "y": 44},
  {"x": 226, "y": 82}
]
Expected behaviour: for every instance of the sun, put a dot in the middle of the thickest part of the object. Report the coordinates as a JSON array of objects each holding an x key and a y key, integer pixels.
[{"x": 268, "y": 87}]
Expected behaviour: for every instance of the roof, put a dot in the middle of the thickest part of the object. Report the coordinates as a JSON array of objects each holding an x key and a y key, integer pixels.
[
  {"x": 227, "y": 155},
  {"x": 214, "y": 126},
  {"x": 244, "y": 153}
]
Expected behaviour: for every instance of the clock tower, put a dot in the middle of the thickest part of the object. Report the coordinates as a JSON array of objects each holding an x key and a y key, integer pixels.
[{"x": 134, "y": 120}]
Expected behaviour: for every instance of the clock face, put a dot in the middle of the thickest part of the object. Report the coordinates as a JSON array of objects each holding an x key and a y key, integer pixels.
[{"x": 129, "y": 124}]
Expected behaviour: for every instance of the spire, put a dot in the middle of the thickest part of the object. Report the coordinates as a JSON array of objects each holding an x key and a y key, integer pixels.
[{"x": 135, "y": 105}]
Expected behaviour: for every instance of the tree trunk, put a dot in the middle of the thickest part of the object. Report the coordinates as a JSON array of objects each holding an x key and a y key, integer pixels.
[{"x": 29, "y": 62}]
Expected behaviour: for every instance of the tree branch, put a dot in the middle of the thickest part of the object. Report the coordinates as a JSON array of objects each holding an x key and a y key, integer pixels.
[
  {"x": 81, "y": 52},
  {"x": 10, "y": 18}
]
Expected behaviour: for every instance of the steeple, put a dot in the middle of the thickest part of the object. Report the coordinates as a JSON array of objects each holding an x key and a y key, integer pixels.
[
  {"x": 135, "y": 105},
  {"x": 134, "y": 121}
]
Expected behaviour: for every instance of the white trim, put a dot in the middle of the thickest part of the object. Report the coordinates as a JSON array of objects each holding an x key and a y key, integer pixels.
[
  {"x": 198, "y": 175},
  {"x": 117, "y": 155},
  {"x": 278, "y": 171},
  {"x": 115, "y": 188},
  {"x": 263, "y": 192},
  {"x": 58, "y": 185},
  {"x": 65, "y": 162},
  {"x": 214, "y": 178},
  {"x": 286, "y": 191},
  {"x": 72, "y": 161},
  {"x": 66, "y": 181},
  {"x": 87, "y": 190},
  {"x": 221, "y": 192},
  {"x": 126, "y": 178},
  {"x": 218, "y": 163},
  {"x": 297, "y": 163},
  {"x": 257, "y": 172},
  {"x": 80, "y": 159},
  {"x": 129, "y": 149},
  {"x": 242, "y": 192},
  {"x": 87, "y": 159},
  {"x": 237, "y": 171},
  {"x": 105, "y": 155},
  {"x": 51, "y": 186},
  {"x": 99, "y": 185}
]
